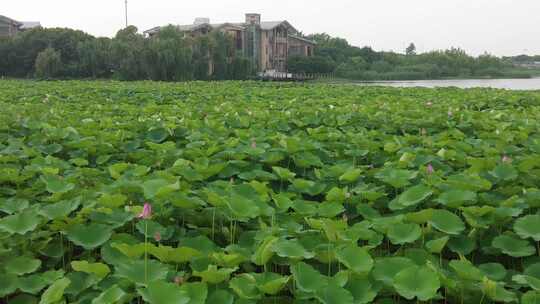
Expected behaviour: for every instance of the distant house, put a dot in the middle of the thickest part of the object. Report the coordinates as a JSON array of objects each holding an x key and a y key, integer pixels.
[
  {"x": 268, "y": 44},
  {"x": 10, "y": 27}
]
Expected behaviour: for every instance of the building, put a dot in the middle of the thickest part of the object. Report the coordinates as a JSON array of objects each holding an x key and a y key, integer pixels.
[
  {"x": 268, "y": 44},
  {"x": 10, "y": 27}
]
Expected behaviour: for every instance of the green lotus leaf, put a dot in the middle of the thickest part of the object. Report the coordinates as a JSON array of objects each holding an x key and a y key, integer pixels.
[
  {"x": 528, "y": 227},
  {"x": 291, "y": 249},
  {"x": 412, "y": 196},
  {"x": 437, "y": 245},
  {"x": 112, "y": 200},
  {"x": 89, "y": 236},
  {"x": 151, "y": 228},
  {"x": 167, "y": 254},
  {"x": 355, "y": 258},
  {"x": 456, "y": 198},
  {"x": 462, "y": 245},
  {"x": 351, "y": 175},
  {"x": 530, "y": 281},
  {"x": 132, "y": 251},
  {"x": 157, "y": 135},
  {"x": 282, "y": 201},
  {"x": 270, "y": 283},
  {"x": 333, "y": 293},
  {"x": 466, "y": 270},
  {"x": 80, "y": 282},
  {"x": 494, "y": 271},
  {"x": 336, "y": 195},
  {"x": 307, "y": 159},
  {"x": 20, "y": 223},
  {"x": 32, "y": 284},
  {"x": 115, "y": 218},
  {"x": 417, "y": 281},
  {"x": 264, "y": 251},
  {"x": 512, "y": 246},
  {"x": 24, "y": 299},
  {"x": 158, "y": 187},
  {"x": 530, "y": 297},
  {"x": 99, "y": 269},
  {"x": 330, "y": 210},
  {"x": 397, "y": 178},
  {"x": 447, "y": 222},
  {"x": 385, "y": 269},
  {"x": 283, "y": 173},
  {"x": 59, "y": 210},
  {"x": 362, "y": 289},
  {"x": 200, "y": 243},
  {"x": 213, "y": 275},
  {"x": 307, "y": 278},
  {"x": 8, "y": 284},
  {"x": 160, "y": 292},
  {"x": 55, "y": 292},
  {"x": 13, "y": 205},
  {"x": 197, "y": 292},
  {"x": 468, "y": 182},
  {"x": 505, "y": 172},
  {"x": 404, "y": 233},
  {"x": 57, "y": 184},
  {"x": 22, "y": 265},
  {"x": 220, "y": 296},
  {"x": 496, "y": 291},
  {"x": 533, "y": 270},
  {"x": 134, "y": 271},
  {"x": 112, "y": 295},
  {"x": 245, "y": 286}
]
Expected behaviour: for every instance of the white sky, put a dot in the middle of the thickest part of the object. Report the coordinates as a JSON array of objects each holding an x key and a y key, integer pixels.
[{"x": 501, "y": 27}]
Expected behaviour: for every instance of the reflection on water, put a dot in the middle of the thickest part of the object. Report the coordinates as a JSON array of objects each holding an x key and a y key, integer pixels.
[{"x": 510, "y": 84}]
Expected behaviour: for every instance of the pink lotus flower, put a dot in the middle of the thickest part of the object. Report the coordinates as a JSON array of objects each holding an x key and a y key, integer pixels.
[
  {"x": 506, "y": 159},
  {"x": 430, "y": 169},
  {"x": 157, "y": 236},
  {"x": 146, "y": 212}
]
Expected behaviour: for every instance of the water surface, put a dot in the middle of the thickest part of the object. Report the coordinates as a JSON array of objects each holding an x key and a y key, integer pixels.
[{"x": 510, "y": 84}]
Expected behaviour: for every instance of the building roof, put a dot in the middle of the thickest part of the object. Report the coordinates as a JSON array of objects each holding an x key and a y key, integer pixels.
[
  {"x": 303, "y": 39},
  {"x": 26, "y": 25},
  {"x": 6, "y": 19},
  {"x": 265, "y": 26}
]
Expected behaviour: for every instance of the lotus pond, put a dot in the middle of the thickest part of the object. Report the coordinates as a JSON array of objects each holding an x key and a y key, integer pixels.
[{"x": 233, "y": 192}]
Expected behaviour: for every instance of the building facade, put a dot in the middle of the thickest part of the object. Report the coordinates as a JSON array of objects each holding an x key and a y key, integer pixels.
[
  {"x": 268, "y": 44},
  {"x": 10, "y": 27}
]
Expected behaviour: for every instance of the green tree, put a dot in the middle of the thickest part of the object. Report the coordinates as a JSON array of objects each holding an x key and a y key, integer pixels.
[
  {"x": 48, "y": 63},
  {"x": 411, "y": 49}
]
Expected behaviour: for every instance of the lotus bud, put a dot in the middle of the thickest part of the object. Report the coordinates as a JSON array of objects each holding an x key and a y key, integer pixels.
[
  {"x": 157, "y": 236},
  {"x": 178, "y": 280},
  {"x": 146, "y": 212},
  {"x": 429, "y": 104},
  {"x": 506, "y": 159},
  {"x": 430, "y": 169}
]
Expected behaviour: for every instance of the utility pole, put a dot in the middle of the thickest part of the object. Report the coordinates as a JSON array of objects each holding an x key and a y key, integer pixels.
[{"x": 126, "y": 13}]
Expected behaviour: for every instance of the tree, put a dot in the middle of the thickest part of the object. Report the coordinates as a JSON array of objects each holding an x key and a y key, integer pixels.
[
  {"x": 411, "y": 49},
  {"x": 48, "y": 63}
]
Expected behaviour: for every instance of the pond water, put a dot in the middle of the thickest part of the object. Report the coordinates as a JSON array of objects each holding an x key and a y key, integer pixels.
[{"x": 510, "y": 84}]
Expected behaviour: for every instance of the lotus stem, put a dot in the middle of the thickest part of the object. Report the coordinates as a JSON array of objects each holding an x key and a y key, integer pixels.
[{"x": 146, "y": 252}]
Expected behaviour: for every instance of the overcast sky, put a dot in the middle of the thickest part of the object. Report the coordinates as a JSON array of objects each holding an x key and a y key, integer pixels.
[{"x": 501, "y": 27}]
